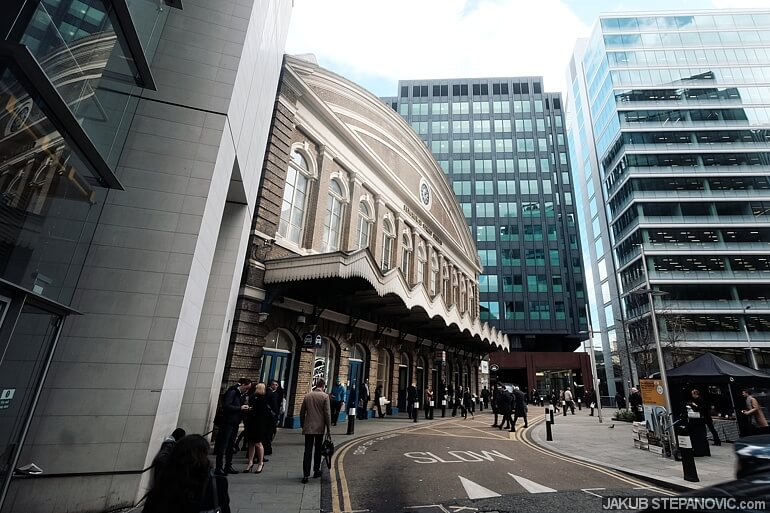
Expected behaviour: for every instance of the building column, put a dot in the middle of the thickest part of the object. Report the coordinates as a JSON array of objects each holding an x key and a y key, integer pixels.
[
  {"x": 316, "y": 209},
  {"x": 349, "y": 240},
  {"x": 375, "y": 244}
]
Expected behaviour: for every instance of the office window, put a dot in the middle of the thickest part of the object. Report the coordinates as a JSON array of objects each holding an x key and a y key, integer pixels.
[
  {"x": 462, "y": 187},
  {"x": 483, "y": 166},
  {"x": 556, "y": 283},
  {"x": 563, "y": 160},
  {"x": 421, "y": 127},
  {"x": 485, "y": 209},
  {"x": 461, "y": 166},
  {"x": 540, "y": 124},
  {"x": 482, "y": 145},
  {"x": 553, "y": 256},
  {"x": 440, "y": 127},
  {"x": 542, "y": 144},
  {"x": 461, "y": 146},
  {"x": 534, "y": 256},
  {"x": 525, "y": 145},
  {"x": 485, "y": 233},
  {"x": 488, "y": 283},
  {"x": 403, "y": 109},
  {"x": 560, "y": 139},
  {"x": 488, "y": 257},
  {"x": 506, "y": 187},
  {"x": 513, "y": 283},
  {"x": 538, "y": 105},
  {"x": 460, "y": 108},
  {"x": 440, "y": 108},
  {"x": 481, "y": 107},
  {"x": 516, "y": 88},
  {"x": 533, "y": 232},
  {"x": 501, "y": 107},
  {"x": 404, "y": 91},
  {"x": 551, "y": 232},
  {"x": 505, "y": 166},
  {"x": 461, "y": 127},
  {"x": 537, "y": 283},
  {"x": 539, "y": 310},
  {"x": 508, "y": 209},
  {"x": 502, "y": 126},
  {"x": 524, "y": 88},
  {"x": 439, "y": 147},
  {"x": 544, "y": 165},
  {"x": 484, "y": 187},
  {"x": 536, "y": 87},
  {"x": 504, "y": 145},
  {"x": 528, "y": 186},
  {"x": 467, "y": 209},
  {"x": 483, "y": 126},
  {"x": 559, "y": 312},
  {"x": 420, "y": 109},
  {"x": 522, "y": 106},
  {"x": 509, "y": 233},
  {"x": 523, "y": 125},
  {"x": 460, "y": 90},
  {"x": 444, "y": 165},
  {"x": 514, "y": 310},
  {"x": 489, "y": 310}
]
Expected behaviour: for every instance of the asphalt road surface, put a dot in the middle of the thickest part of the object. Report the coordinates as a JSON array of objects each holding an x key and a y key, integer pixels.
[{"x": 464, "y": 465}]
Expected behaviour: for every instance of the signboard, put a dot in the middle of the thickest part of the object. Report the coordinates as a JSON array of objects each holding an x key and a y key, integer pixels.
[
  {"x": 494, "y": 367},
  {"x": 440, "y": 356},
  {"x": 318, "y": 340},
  {"x": 484, "y": 367},
  {"x": 684, "y": 442},
  {"x": 311, "y": 340},
  {"x": 5, "y": 398},
  {"x": 652, "y": 392}
]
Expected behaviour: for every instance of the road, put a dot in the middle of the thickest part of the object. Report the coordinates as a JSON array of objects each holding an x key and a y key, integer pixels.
[{"x": 457, "y": 464}]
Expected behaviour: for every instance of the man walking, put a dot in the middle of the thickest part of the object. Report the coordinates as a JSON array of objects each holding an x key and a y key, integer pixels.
[
  {"x": 505, "y": 407},
  {"x": 485, "y": 397},
  {"x": 520, "y": 407},
  {"x": 635, "y": 400},
  {"x": 568, "y": 402},
  {"x": 363, "y": 413},
  {"x": 315, "y": 418},
  {"x": 411, "y": 401},
  {"x": 233, "y": 408},
  {"x": 338, "y": 398},
  {"x": 496, "y": 403},
  {"x": 757, "y": 420},
  {"x": 699, "y": 405}
]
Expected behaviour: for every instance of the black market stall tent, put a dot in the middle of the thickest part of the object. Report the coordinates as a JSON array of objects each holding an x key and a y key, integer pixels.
[{"x": 709, "y": 369}]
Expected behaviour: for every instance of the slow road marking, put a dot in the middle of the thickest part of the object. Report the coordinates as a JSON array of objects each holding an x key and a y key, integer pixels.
[
  {"x": 531, "y": 486},
  {"x": 475, "y": 490},
  {"x": 456, "y": 457}
]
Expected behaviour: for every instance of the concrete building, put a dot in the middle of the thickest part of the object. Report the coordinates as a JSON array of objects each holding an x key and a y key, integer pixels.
[
  {"x": 669, "y": 121},
  {"x": 502, "y": 144},
  {"x": 360, "y": 264},
  {"x": 133, "y": 136}
]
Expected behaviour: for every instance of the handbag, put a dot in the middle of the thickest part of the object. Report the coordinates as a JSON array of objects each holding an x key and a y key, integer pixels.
[
  {"x": 327, "y": 449},
  {"x": 214, "y": 494}
]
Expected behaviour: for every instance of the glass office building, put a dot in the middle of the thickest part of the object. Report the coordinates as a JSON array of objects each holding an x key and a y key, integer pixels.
[
  {"x": 668, "y": 125},
  {"x": 502, "y": 144}
]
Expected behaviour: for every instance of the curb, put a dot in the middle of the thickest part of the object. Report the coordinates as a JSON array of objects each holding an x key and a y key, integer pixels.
[{"x": 679, "y": 487}]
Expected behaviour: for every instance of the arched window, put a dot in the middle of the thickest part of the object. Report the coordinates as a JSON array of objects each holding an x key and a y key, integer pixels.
[
  {"x": 406, "y": 256},
  {"x": 325, "y": 358},
  {"x": 383, "y": 371},
  {"x": 333, "y": 221},
  {"x": 433, "y": 275},
  {"x": 445, "y": 284},
  {"x": 455, "y": 288},
  {"x": 421, "y": 259},
  {"x": 358, "y": 352},
  {"x": 387, "y": 244},
  {"x": 461, "y": 305},
  {"x": 364, "y": 225},
  {"x": 294, "y": 199}
]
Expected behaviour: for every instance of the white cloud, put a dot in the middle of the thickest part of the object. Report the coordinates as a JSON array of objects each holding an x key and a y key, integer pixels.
[{"x": 407, "y": 39}]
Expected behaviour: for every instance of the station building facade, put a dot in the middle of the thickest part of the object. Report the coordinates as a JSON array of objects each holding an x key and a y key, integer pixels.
[{"x": 361, "y": 265}]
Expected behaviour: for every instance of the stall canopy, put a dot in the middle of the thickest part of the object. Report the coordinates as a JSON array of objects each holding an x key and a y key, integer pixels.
[{"x": 712, "y": 369}]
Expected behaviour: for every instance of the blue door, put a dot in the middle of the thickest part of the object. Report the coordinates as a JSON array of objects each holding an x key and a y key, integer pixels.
[
  {"x": 356, "y": 368},
  {"x": 276, "y": 365}
]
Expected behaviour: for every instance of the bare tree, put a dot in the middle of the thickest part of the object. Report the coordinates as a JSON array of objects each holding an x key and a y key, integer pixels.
[
  {"x": 641, "y": 344},
  {"x": 673, "y": 337}
]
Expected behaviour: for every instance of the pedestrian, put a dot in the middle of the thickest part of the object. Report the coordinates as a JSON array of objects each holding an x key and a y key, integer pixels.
[
  {"x": 700, "y": 406},
  {"x": 412, "y": 402},
  {"x": 378, "y": 400},
  {"x": 363, "y": 413},
  {"x": 635, "y": 399},
  {"x": 338, "y": 397},
  {"x": 485, "y": 397},
  {"x": 505, "y": 405},
  {"x": 259, "y": 423},
  {"x": 186, "y": 484},
  {"x": 591, "y": 400},
  {"x": 568, "y": 402},
  {"x": 758, "y": 423},
  {"x": 429, "y": 403},
  {"x": 274, "y": 399},
  {"x": 620, "y": 401},
  {"x": 160, "y": 460},
  {"x": 520, "y": 407},
  {"x": 458, "y": 399},
  {"x": 495, "y": 400},
  {"x": 233, "y": 408},
  {"x": 315, "y": 419},
  {"x": 467, "y": 403}
]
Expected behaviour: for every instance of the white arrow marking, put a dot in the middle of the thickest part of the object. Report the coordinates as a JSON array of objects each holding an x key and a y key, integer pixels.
[
  {"x": 475, "y": 490},
  {"x": 531, "y": 486}
]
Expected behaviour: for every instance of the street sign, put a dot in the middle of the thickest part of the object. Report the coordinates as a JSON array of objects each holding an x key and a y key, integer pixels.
[
  {"x": 494, "y": 367},
  {"x": 652, "y": 392},
  {"x": 5, "y": 398},
  {"x": 308, "y": 340},
  {"x": 484, "y": 367},
  {"x": 318, "y": 340}
]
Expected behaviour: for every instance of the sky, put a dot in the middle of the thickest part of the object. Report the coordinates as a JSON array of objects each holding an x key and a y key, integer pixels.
[{"x": 377, "y": 43}]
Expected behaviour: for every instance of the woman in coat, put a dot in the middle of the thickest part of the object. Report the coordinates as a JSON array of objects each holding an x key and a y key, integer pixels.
[
  {"x": 258, "y": 423},
  {"x": 467, "y": 403},
  {"x": 377, "y": 402}
]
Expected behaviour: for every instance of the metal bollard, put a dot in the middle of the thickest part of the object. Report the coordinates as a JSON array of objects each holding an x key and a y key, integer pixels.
[
  {"x": 685, "y": 450},
  {"x": 443, "y": 407},
  {"x": 548, "y": 432},
  {"x": 351, "y": 421},
  {"x": 552, "y": 419}
]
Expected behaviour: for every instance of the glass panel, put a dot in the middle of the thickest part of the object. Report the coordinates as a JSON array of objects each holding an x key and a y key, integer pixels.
[
  {"x": 22, "y": 364},
  {"x": 49, "y": 200}
]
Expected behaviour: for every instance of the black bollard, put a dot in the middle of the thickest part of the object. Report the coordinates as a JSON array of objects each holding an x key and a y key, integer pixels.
[
  {"x": 548, "y": 433},
  {"x": 685, "y": 450},
  {"x": 351, "y": 421},
  {"x": 443, "y": 407},
  {"x": 552, "y": 419}
]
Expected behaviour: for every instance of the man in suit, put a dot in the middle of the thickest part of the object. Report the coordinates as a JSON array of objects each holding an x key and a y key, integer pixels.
[
  {"x": 315, "y": 417},
  {"x": 411, "y": 401},
  {"x": 233, "y": 406},
  {"x": 363, "y": 412},
  {"x": 519, "y": 407}
]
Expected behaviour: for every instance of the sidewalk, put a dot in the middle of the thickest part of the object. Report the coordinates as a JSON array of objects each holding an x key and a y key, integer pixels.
[
  {"x": 278, "y": 488},
  {"x": 582, "y": 437}
]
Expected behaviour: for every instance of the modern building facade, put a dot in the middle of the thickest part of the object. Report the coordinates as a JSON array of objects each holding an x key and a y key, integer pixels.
[
  {"x": 360, "y": 264},
  {"x": 133, "y": 135},
  {"x": 669, "y": 119},
  {"x": 502, "y": 144}
]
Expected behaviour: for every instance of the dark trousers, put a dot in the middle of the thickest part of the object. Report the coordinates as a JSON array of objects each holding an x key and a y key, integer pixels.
[
  {"x": 454, "y": 408},
  {"x": 310, "y": 441},
  {"x": 224, "y": 444},
  {"x": 507, "y": 421},
  {"x": 710, "y": 425},
  {"x": 379, "y": 408},
  {"x": 428, "y": 412},
  {"x": 336, "y": 407},
  {"x": 413, "y": 413},
  {"x": 516, "y": 417},
  {"x": 569, "y": 405},
  {"x": 494, "y": 410}
]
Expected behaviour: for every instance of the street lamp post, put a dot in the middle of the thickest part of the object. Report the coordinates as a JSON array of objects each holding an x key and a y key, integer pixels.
[
  {"x": 594, "y": 374},
  {"x": 752, "y": 357},
  {"x": 658, "y": 349}
]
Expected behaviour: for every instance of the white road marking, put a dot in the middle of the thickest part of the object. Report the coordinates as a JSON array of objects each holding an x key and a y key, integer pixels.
[
  {"x": 475, "y": 490},
  {"x": 589, "y": 492},
  {"x": 531, "y": 486}
]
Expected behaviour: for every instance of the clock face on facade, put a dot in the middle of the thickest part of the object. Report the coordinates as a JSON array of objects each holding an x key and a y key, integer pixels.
[{"x": 425, "y": 194}]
